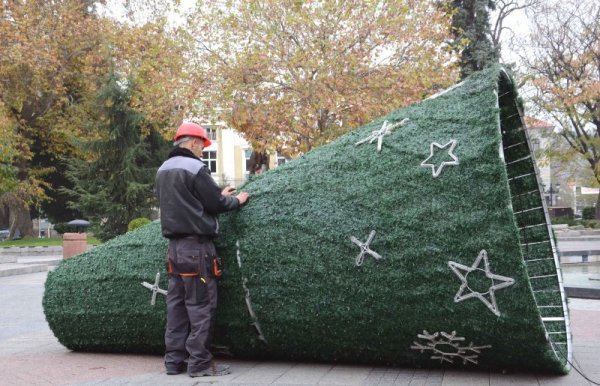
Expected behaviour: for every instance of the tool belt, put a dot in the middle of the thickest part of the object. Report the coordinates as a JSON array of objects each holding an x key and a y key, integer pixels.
[{"x": 194, "y": 256}]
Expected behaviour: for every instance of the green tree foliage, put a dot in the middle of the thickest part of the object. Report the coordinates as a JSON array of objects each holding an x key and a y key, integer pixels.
[
  {"x": 473, "y": 35},
  {"x": 137, "y": 222},
  {"x": 56, "y": 207},
  {"x": 588, "y": 213},
  {"x": 114, "y": 184},
  {"x": 62, "y": 228},
  {"x": 54, "y": 56}
]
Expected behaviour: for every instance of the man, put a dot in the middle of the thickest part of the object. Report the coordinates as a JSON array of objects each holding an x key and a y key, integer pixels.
[{"x": 189, "y": 202}]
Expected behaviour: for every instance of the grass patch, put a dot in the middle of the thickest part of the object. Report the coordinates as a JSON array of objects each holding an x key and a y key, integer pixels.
[{"x": 42, "y": 242}]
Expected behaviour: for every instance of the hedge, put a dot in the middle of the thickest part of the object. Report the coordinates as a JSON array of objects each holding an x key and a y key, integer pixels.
[{"x": 589, "y": 213}]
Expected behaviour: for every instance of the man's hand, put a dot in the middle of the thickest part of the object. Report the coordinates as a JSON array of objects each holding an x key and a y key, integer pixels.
[
  {"x": 228, "y": 191},
  {"x": 242, "y": 197}
]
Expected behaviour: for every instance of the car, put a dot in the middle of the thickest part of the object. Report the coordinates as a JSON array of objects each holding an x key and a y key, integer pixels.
[{"x": 4, "y": 234}]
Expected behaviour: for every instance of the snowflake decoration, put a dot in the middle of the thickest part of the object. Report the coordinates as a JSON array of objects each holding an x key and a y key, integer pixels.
[
  {"x": 154, "y": 288},
  {"x": 498, "y": 282},
  {"x": 365, "y": 249},
  {"x": 446, "y": 347},
  {"x": 454, "y": 161},
  {"x": 378, "y": 135}
]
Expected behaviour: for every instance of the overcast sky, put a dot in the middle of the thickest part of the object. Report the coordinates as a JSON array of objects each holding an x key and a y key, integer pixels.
[{"x": 517, "y": 26}]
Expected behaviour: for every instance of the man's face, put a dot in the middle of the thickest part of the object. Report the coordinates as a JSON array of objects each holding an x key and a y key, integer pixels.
[{"x": 197, "y": 147}]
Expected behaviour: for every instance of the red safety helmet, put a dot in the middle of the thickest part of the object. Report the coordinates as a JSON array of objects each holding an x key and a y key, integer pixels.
[{"x": 190, "y": 129}]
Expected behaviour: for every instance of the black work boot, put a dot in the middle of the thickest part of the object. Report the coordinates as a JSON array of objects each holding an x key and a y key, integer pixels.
[
  {"x": 176, "y": 370},
  {"x": 213, "y": 370}
]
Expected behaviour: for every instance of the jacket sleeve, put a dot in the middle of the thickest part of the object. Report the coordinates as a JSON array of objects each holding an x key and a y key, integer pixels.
[{"x": 209, "y": 193}]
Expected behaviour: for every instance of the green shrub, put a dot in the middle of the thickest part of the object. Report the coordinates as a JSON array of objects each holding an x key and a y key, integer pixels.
[
  {"x": 137, "y": 222},
  {"x": 62, "y": 227},
  {"x": 594, "y": 224},
  {"x": 588, "y": 213},
  {"x": 570, "y": 221}
]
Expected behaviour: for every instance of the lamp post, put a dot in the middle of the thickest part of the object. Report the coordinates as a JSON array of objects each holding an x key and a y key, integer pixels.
[{"x": 553, "y": 189}]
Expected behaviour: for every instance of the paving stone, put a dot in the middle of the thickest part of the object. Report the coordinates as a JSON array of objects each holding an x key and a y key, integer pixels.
[
  {"x": 7, "y": 259},
  {"x": 568, "y": 380},
  {"x": 304, "y": 374},
  {"x": 513, "y": 379},
  {"x": 31, "y": 355},
  {"x": 460, "y": 378},
  {"x": 11, "y": 269},
  {"x": 346, "y": 375},
  {"x": 263, "y": 373}
]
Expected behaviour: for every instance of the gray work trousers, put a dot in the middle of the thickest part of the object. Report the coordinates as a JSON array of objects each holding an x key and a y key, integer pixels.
[{"x": 191, "y": 303}]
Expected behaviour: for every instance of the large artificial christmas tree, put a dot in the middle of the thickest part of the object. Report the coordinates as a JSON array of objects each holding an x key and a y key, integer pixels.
[{"x": 420, "y": 238}]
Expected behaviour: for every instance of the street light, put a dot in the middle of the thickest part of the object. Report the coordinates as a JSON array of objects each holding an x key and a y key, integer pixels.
[
  {"x": 554, "y": 189},
  {"x": 79, "y": 225}
]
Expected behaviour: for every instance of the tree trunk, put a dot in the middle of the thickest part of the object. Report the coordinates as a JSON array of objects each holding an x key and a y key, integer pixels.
[
  {"x": 18, "y": 216},
  {"x": 4, "y": 223},
  {"x": 259, "y": 162}
]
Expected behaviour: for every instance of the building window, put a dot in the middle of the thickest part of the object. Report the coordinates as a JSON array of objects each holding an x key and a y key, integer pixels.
[
  {"x": 210, "y": 159},
  {"x": 211, "y": 132},
  {"x": 248, "y": 160},
  {"x": 259, "y": 161},
  {"x": 535, "y": 144},
  {"x": 281, "y": 159}
]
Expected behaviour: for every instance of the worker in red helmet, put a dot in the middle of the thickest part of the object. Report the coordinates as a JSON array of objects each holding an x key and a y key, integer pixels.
[
  {"x": 192, "y": 130},
  {"x": 190, "y": 201}
]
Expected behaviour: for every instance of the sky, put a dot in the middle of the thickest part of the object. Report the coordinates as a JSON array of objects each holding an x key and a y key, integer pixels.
[
  {"x": 116, "y": 9},
  {"x": 517, "y": 26},
  {"x": 516, "y": 23}
]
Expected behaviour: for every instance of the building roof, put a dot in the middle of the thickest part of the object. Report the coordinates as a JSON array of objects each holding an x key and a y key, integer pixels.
[{"x": 535, "y": 123}]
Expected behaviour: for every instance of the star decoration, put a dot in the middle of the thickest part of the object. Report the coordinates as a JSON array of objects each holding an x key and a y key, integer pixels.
[
  {"x": 155, "y": 289},
  {"x": 488, "y": 298},
  {"x": 447, "y": 347},
  {"x": 378, "y": 135},
  {"x": 365, "y": 249},
  {"x": 454, "y": 161}
]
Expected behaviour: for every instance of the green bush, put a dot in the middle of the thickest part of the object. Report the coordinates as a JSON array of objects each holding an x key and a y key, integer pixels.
[
  {"x": 137, "y": 222},
  {"x": 570, "y": 221},
  {"x": 62, "y": 227},
  {"x": 591, "y": 223},
  {"x": 588, "y": 213}
]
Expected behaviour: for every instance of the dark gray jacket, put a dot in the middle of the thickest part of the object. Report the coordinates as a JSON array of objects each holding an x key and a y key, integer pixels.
[{"x": 188, "y": 197}]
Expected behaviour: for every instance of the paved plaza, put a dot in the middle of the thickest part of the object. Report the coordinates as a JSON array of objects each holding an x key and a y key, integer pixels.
[{"x": 31, "y": 355}]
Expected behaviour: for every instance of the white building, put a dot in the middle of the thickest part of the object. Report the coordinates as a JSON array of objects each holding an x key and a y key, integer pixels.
[
  {"x": 563, "y": 182},
  {"x": 539, "y": 134},
  {"x": 228, "y": 157}
]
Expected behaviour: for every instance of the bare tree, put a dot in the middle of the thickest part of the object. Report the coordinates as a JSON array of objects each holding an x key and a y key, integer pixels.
[
  {"x": 504, "y": 10},
  {"x": 562, "y": 64}
]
